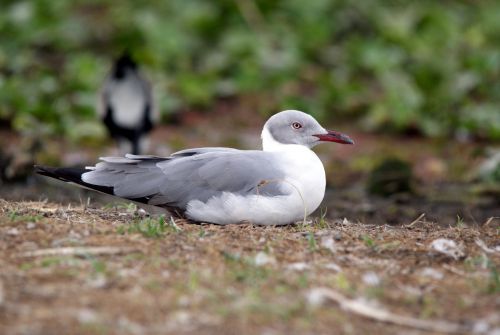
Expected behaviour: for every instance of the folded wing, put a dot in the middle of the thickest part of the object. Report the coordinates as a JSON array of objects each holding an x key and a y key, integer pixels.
[{"x": 195, "y": 174}]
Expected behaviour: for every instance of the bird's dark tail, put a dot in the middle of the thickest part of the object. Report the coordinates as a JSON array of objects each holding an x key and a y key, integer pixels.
[{"x": 71, "y": 175}]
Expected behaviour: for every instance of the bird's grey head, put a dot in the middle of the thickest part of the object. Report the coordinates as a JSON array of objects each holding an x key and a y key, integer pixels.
[{"x": 295, "y": 127}]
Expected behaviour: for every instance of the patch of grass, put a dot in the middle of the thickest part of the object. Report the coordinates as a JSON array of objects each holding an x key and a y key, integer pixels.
[
  {"x": 471, "y": 264},
  {"x": 321, "y": 222},
  {"x": 14, "y": 216},
  {"x": 375, "y": 292},
  {"x": 494, "y": 279},
  {"x": 32, "y": 218},
  {"x": 174, "y": 226},
  {"x": 94, "y": 328},
  {"x": 129, "y": 207},
  {"x": 311, "y": 242},
  {"x": 50, "y": 261},
  {"x": 174, "y": 264},
  {"x": 460, "y": 222},
  {"x": 250, "y": 274},
  {"x": 98, "y": 266},
  {"x": 202, "y": 233},
  {"x": 150, "y": 227},
  {"x": 303, "y": 280},
  {"x": 429, "y": 307},
  {"x": 343, "y": 283},
  {"x": 369, "y": 242},
  {"x": 194, "y": 281},
  {"x": 282, "y": 289},
  {"x": 244, "y": 270},
  {"x": 230, "y": 257},
  {"x": 153, "y": 285},
  {"x": 54, "y": 261},
  {"x": 122, "y": 230},
  {"x": 303, "y": 226},
  {"x": 27, "y": 266}
]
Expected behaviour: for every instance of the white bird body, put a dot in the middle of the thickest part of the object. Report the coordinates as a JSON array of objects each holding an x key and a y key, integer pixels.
[
  {"x": 304, "y": 183},
  {"x": 279, "y": 185}
]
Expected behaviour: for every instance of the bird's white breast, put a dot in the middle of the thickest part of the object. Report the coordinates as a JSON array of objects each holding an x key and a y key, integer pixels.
[
  {"x": 305, "y": 180},
  {"x": 305, "y": 171}
]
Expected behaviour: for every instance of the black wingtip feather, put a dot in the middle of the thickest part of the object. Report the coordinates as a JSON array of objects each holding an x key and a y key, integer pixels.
[
  {"x": 45, "y": 171},
  {"x": 72, "y": 175},
  {"x": 65, "y": 174}
]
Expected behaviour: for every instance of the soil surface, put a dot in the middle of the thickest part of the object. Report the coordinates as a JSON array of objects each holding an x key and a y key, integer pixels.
[{"x": 79, "y": 269}]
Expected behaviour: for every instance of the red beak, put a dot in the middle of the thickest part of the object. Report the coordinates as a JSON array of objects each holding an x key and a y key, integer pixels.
[{"x": 333, "y": 136}]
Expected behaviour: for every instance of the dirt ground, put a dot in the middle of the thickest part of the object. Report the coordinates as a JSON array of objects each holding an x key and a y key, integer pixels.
[{"x": 96, "y": 269}]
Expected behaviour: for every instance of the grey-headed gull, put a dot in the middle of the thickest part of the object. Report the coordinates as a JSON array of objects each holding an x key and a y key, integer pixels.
[
  {"x": 280, "y": 184},
  {"x": 126, "y": 105}
]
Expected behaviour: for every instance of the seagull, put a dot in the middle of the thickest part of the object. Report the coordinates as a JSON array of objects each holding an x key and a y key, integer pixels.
[
  {"x": 126, "y": 104},
  {"x": 281, "y": 184}
]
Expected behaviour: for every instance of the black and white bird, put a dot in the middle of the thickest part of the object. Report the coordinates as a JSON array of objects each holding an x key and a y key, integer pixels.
[
  {"x": 280, "y": 184},
  {"x": 126, "y": 106}
]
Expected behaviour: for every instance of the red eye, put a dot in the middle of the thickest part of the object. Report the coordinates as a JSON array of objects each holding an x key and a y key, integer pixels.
[{"x": 296, "y": 125}]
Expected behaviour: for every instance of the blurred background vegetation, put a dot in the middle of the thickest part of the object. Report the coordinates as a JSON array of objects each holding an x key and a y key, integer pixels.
[{"x": 430, "y": 67}]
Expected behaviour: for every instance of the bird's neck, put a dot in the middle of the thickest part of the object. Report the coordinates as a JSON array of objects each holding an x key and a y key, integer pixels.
[{"x": 270, "y": 144}]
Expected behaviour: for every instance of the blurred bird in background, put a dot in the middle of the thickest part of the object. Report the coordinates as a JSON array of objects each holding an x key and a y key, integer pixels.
[{"x": 126, "y": 106}]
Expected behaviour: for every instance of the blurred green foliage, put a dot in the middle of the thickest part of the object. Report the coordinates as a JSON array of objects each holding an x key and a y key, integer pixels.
[{"x": 430, "y": 66}]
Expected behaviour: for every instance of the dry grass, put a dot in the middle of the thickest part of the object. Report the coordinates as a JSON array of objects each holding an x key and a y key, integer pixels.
[{"x": 110, "y": 271}]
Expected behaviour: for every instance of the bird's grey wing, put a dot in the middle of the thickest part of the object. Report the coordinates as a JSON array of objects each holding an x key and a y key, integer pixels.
[
  {"x": 130, "y": 177},
  {"x": 176, "y": 180},
  {"x": 198, "y": 151},
  {"x": 143, "y": 157},
  {"x": 209, "y": 174},
  {"x": 177, "y": 154}
]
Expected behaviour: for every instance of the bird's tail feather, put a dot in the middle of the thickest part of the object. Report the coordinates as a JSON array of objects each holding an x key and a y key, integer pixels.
[
  {"x": 71, "y": 175},
  {"x": 74, "y": 175}
]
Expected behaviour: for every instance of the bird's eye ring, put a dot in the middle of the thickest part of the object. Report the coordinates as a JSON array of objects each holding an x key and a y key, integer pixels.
[{"x": 296, "y": 125}]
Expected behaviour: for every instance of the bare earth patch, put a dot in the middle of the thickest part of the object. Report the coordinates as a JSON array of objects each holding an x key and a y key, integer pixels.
[{"x": 112, "y": 270}]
